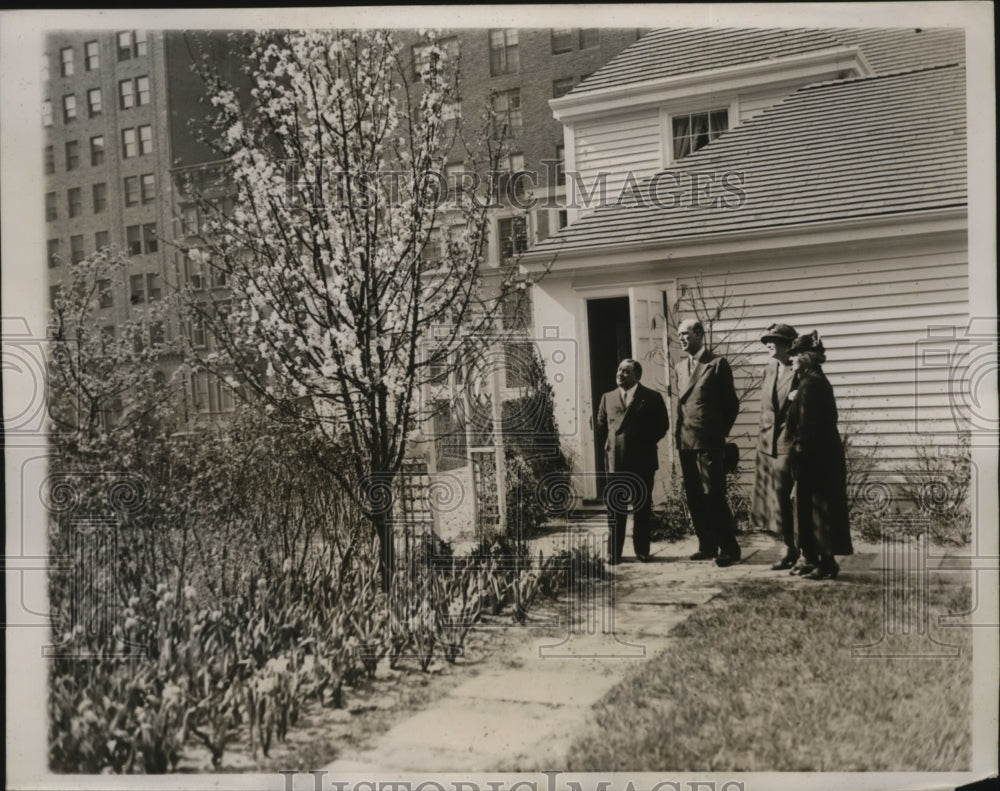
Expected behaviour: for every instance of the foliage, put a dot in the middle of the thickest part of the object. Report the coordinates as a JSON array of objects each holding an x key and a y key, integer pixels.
[
  {"x": 939, "y": 483},
  {"x": 351, "y": 282}
]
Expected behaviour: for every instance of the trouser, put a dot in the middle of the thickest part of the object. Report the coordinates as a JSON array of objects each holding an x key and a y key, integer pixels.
[
  {"x": 704, "y": 474},
  {"x": 621, "y": 491}
]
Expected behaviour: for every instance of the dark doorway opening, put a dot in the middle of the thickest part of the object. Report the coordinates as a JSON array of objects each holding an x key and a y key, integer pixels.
[{"x": 610, "y": 343}]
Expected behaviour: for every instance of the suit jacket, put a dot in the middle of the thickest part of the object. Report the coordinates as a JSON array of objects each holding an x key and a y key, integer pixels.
[
  {"x": 630, "y": 435},
  {"x": 774, "y": 438},
  {"x": 707, "y": 404}
]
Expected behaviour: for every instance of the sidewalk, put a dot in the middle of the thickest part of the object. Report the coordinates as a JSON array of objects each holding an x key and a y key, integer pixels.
[{"x": 525, "y": 718}]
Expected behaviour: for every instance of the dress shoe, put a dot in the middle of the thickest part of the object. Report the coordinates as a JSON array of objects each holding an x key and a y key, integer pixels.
[
  {"x": 699, "y": 555},
  {"x": 825, "y": 570},
  {"x": 802, "y": 569},
  {"x": 727, "y": 560},
  {"x": 643, "y": 558},
  {"x": 787, "y": 562}
]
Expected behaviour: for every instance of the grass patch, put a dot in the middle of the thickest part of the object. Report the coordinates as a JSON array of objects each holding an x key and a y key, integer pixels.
[{"x": 764, "y": 680}]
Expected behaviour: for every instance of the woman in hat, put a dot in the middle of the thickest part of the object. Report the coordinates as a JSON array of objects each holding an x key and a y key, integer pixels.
[
  {"x": 772, "y": 491},
  {"x": 820, "y": 493}
]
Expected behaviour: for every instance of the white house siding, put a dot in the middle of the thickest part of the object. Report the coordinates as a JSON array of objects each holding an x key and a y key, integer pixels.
[
  {"x": 617, "y": 146},
  {"x": 874, "y": 317}
]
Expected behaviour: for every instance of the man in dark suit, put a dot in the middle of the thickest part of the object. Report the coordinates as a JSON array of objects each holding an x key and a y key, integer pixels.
[
  {"x": 631, "y": 420},
  {"x": 707, "y": 406}
]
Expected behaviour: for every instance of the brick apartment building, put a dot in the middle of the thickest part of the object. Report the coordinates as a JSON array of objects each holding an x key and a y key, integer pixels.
[{"x": 118, "y": 147}]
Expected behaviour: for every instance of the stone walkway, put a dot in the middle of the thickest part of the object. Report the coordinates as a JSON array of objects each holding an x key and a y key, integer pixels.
[{"x": 525, "y": 718}]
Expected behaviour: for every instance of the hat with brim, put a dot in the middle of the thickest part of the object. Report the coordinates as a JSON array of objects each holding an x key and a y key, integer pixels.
[
  {"x": 779, "y": 332},
  {"x": 807, "y": 343}
]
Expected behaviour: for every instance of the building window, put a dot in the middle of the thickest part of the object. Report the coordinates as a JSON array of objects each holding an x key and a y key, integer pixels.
[
  {"x": 189, "y": 219},
  {"x": 196, "y": 333},
  {"x": 74, "y": 198},
  {"x": 102, "y": 239},
  {"x": 92, "y": 55},
  {"x": 142, "y": 90},
  {"x": 420, "y": 54},
  {"x": 193, "y": 273},
  {"x": 153, "y": 287},
  {"x": 562, "y": 40},
  {"x": 697, "y": 130},
  {"x": 72, "y": 155},
  {"x": 149, "y": 240},
  {"x": 561, "y": 87},
  {"x": 50, "y": 160},
  {"x": 76, "y": 253},
  {"x": 126, "y": 94},
  {"x": 133, "y": 239},
  {"x": 560, "y": 165},
  {"x": 100, "y": 198},
  {"x": 145, "y": 139},
  {"x": 130, "y": 144},
  {"x": 47, "y": 113},
  {"x": 66, "y": 61},
  {"x": 590, "y": 37},
  {"x": 137, "y": 289},
  {"x": 148, "y": 184},
  {"x": 563, "y": 218},
  {"x": 52, "y": 252},
  {"x": 131, "y": 44},
  {"x": 69, "y": 108},
  {"x": 51, "y": 212},
  {"x": 97, "y": 150},
  {"x": 503, "y": 52},
  {"x": 513, "y": 233},
  {"x": 131, "y": 190},
  {"x": 509, "y": 109},
  {"x": 94, "y": 104},
  {"x": 104, "y": 294}
]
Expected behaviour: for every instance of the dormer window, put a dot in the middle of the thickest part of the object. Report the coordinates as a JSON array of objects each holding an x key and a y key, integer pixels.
[{"x": 697, "y": 130}]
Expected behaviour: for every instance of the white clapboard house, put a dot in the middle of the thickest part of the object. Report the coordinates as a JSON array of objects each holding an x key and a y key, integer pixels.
[{"x": 811, "y": 177}]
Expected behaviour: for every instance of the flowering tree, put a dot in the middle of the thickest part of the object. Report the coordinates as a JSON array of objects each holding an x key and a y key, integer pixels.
[{"x": 355, "y": 276}]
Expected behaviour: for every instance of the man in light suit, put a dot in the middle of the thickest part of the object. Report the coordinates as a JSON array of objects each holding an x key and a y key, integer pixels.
[
  {"x": 772, "y": 491},
  {"x": 707, "y": 406},
  {"x": 631, "y": 420}
]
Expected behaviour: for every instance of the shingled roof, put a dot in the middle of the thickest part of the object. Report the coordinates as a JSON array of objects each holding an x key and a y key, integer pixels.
[
  {"x": 674, "y": 51},
  {"x": 851, "y": 149}
]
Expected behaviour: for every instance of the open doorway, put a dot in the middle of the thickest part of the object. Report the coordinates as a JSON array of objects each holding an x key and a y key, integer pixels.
[{"x": 610, "y": 342}]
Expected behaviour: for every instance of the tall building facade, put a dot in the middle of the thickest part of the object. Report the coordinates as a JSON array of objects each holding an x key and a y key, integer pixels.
[{"x": 119, "y": 147}]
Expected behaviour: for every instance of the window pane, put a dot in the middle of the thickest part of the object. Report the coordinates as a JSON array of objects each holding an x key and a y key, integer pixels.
[
  {"x": 47, "y": 113},
  {"x": 145, "y": 139},
  {"x": 76, "y": 248},
  {"x": 126, "y": 98},
  {"x": 590, "y": 37},
  {"x": 562, "y": 87},
  {"x": 72, "y": 155},
  {"x": 137, "y": 294},
  {"x": 562, "y": 40},
  {"x": 719, "y": 122},
  {"x": 97, "y": 150},
  {"x": 51, "y": 212},
  {"x": 150, "y": 241},
  {"x": 94, "y": 101},
  {"x": 153, "y": 287},
  {"x": 142, "y": 90},
  {"x": 101, "y": 240},
  {"x": 52, "y": 252},
  {"x": 75, "y": 201},
  {"x": 130, "y": 146},
  {"x": 69, "y": 107},
  {"x": 133, "y": 240},
  {"x": 50, "y": 159},
  {"x": 105, "y": 296},
  {"x": 66, "y": 58},
  {"x": 140, "y": 43},
  {"x": 93, "y": 55},
  {"x": 131, "y": 190},
  {"x": 148, "y": 188},
  {"x": 100, "y": 198},
  {"x": 125, "y": 45}
]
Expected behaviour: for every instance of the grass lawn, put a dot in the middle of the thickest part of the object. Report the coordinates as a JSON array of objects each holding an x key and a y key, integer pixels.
[{"x": 763, "y": 680}]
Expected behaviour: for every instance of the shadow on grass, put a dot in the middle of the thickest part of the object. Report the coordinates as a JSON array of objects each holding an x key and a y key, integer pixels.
[{"x": 764, "y": 680}]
